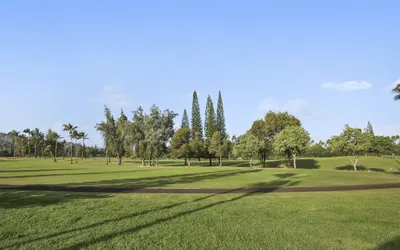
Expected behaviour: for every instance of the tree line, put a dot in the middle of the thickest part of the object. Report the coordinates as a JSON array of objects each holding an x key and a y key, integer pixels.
[{"x": 151, "y": 136}]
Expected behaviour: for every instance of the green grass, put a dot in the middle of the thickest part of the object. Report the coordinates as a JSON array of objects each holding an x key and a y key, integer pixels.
[
  {"x": 317, "y": 172},
  {"x": 330, "y": 220},
  {"x": 336, "y": 220}
]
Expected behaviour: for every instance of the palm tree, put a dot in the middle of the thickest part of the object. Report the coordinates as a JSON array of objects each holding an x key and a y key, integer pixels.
[
  {"x": 71, "y": 129},
  {"x": 397, "y": 91},
  {"x": 83, "y": 136},
  {"x": 37, "y": 135},
  {"x": 14, "y": 133},
  {"x": 27, "y": 131},
  {"x": 77, "y": 135}
]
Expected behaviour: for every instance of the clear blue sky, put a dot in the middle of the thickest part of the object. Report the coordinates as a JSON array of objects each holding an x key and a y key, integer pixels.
[{"x": 328, "y": 62}]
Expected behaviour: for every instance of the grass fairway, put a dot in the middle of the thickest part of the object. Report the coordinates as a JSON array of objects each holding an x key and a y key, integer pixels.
[
  {"x": 169, "y": 175},
  {"x": 336, "y": 220},
  {"x": 331, "y": 220}
]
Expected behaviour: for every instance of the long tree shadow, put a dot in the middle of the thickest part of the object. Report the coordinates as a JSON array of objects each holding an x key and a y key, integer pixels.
[
  {"x": 393, "y": 244},
  {"x": 163, "y": 220},
  {"x": 40, "y": 170},
  {"x": 162, "y": 181},
  {"x": 360, "y": 168},
  {"x": 276, "y": 184},
  {"x": 18, "y": 199},
  {"x": 86, "y": 173}
]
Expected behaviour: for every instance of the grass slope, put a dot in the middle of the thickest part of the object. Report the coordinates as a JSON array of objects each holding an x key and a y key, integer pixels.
[
  {"x": 96, "y": 173},
  {"x": 345, "y": 220}
]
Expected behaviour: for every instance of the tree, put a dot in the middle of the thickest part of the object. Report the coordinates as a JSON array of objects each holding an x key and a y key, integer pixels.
[
  {"x": 180, "y": 144},
  {"x": 396, "y": 90},
  {"x": 185, "y": 120},
  {"x": 247, "y": 146},
  {"x": 218, "y": 146},
  {"x": 197, "y": 146},
  {"x": 258, "y": 129},
  {"x": 121, "y": 134},
  {"x": 369, "y": 129},
  {"x": 27, "y": 131},
  {"x": 71, "y": 129},
  {"x": 209, "y": 123},
  {"x": 196, "y": 117},
  {"x": 37, "y": 137},
  {"x": 137, "y": 134},
  {"x": 292, "y": 141},
  {"x": 276, "y": 122},
  {"x": 83, "y": 136},
  {"x": 351, "y": 142},
  {"x": 77, "y": 136},
  {"x": 220, "y": 121},
  {"x": 14, "y": 134}
]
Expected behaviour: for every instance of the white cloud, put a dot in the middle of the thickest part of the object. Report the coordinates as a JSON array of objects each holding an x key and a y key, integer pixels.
[
  {"x": 348, "y": 86},
  {"x": 112, "y": 95},
  {"x": 296, "y": 107},
  {"x": 394, "y": 84}
]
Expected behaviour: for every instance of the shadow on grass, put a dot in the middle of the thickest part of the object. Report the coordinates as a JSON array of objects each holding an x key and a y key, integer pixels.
[
  {"x": 19, "y": 199},
  {"x": 96, "y": 239},
  {"x": 300, "y": 164},
  {"x": 39, "y": 170},
  {"x": 393, "y": 244},
  {"x": 162, "y": 181},
  {"x": 47, "y": 175},
  {"x": 360, "y": 168}
]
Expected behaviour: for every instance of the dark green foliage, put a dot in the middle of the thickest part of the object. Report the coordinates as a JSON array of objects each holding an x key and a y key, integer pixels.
[
  {"x": 185, "y": 120},
  {"x": 369, "y": 129},
  {"x": 276, "y": 122},
  {"x": 220, "y": 121},
  {"x": 197, "y": 126},
  {"x": 209, "y": 125}
]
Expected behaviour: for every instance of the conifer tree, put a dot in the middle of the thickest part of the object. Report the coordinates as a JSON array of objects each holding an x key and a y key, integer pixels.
[
  {"x": 185, "y": 120},
  {"x": 209, "y": 125},
  {"x": 196, "y": 117},
  {"x": 220, "y": 122}
]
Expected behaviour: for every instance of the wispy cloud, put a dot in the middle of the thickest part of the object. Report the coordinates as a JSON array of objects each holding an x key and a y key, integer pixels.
[
  {"x": 347, "y": 86},
  {"x": 112, "y": 95},
  {"x": 296, "y": 107}
]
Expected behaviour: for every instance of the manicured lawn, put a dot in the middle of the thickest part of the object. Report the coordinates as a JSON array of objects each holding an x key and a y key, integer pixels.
[
  {"x": 336, "y": 220},
  {"x": 168, "y": 175}
]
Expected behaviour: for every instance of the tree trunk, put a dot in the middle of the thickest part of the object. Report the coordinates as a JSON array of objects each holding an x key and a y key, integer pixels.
[
  {"x": 142, "y": 162},
  {"x": 77, "y": 152},
  {"x": 35, "y": 149},
  {"x": 251, "y": 163},
  {"x": 294, "y": 161},
  {"x": 220, "y": 161},
  {"x": 354, "y": 163},
  {"x": 189, "y": 162},
  {"x": 210, "y": 161},
  {"x": 156, "y": 162},
  {"x": 185, "y": 164},
  {"x": 55, "y": 153},
  {"x": 71, "y": 151},
  {"x": 120, "y": 160},
  {"x": 29, "y": 149}
]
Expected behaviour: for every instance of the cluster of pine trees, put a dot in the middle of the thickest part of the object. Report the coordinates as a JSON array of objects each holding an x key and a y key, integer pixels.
[{"x": 191, "y": 142}]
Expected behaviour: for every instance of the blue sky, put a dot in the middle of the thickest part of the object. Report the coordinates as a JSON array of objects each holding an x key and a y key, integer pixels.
[{"x": 329, "y": 63}]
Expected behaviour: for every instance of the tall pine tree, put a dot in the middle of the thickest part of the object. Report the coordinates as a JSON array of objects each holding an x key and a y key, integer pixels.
[
  {"x": 369, "y": 129},
  {"x": 209, "y": 124},
  {"x": 185, "y": 120},
  {"x": 196, "y": 117},
  {"x": 220, "y": 122}
]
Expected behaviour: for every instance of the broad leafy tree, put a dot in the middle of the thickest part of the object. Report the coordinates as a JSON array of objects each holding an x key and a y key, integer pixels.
[
  {"x": 291, "y": 142},
  {"x": 180, "y": 144},
  {"x": 351, "y": 142},
  {"x": 27, "y": 132}
]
